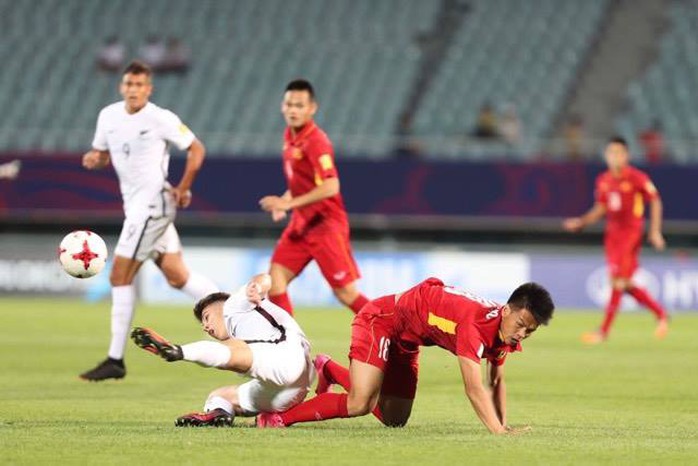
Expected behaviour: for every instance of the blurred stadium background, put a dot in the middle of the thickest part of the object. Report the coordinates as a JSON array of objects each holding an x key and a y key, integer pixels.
[{"x": 465, "y": 130}]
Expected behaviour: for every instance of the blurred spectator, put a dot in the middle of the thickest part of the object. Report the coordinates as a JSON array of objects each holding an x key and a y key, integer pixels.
[
  {"x": 177, "y": 56},
  {"x": 510, "y": 126},
  {"x": 153, "y": 52},
  {"x": 10, "y": 170},
  {"x": 652, "y": 140},
  {"x": 486, "y": 125},
  {"x": 111, "y": 55},
  {"x": 407, "y": 146},
  {"x": 574, "y": 138}
]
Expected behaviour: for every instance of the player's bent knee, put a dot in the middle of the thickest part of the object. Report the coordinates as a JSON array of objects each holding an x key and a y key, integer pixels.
[
  {"x": 345, "y": 296},
  {"x": 222, "y": 392},
  {"x": 177, "y": 281},
  {"x": 360, "y": 406},
  {"x": 119, "y": 278}
]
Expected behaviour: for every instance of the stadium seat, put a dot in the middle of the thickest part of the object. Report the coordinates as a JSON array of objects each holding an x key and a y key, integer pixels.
[{"x": 666, "y": 92}]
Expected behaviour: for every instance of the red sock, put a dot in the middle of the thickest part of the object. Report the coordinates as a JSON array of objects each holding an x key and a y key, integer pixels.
[
  {"x": 283, "y": 302},
  {"x": 611, "y": 311},
  {"x": 358, "y": 303},
  {"x": 337, "y": 374},
  {"x": 340, "y": 375},
  {"x": 320, "y": 408},
  {"x": 378, "y": 413},
  {"x": 642, "y": 296}
]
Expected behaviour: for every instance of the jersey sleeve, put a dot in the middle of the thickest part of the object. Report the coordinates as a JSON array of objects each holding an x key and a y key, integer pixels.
[
  {"x": 174, "y": 131},
  {"x": 99, "y": 141},
  {"x": 237, "y": 303},
  {"x": 469, "y": 342},
  {"x": 280, "y": 316},
  {"x": 321, "y": 156},
  {"x": 601, "y": 191},
  {"x": 645, "y": 186}
]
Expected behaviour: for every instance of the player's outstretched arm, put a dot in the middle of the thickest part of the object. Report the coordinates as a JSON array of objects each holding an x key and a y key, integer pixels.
[
  {"x": 499, "y": 391},
  {"x": 328, "y": 188},
  {"x": 195, "y": 158},
  {"x": 594, "y": 214},
  {"x": 654, "y": 234},
  {"x": 95, "y": 159},
  {"x": 479, "y": 397}
]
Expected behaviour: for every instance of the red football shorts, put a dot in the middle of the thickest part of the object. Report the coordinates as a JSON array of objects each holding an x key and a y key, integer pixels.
[
  {"x": 330, "y": 248},
  {"x": 622, "y": 250},
  {"x": 375, "y": 340}
]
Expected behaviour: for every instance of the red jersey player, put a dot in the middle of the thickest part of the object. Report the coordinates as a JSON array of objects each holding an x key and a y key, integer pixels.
[
  {"x": 621, "y": 194},
  {"x": 319, "y": 228},
  {"x": 385, "y": 340}
]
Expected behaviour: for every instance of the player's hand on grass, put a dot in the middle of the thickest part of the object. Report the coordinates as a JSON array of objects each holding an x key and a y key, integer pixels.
[
  {"x": 182, "y": 197},
  {"x": 517, "y": 430},
  {"x": 657, "y": 240},
  {"x": 573, "y": 224}
]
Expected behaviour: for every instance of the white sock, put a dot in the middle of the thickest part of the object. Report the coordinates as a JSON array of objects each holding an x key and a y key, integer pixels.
[
  {"x": 207, "y": 353},
  {"x": 199, "y": 286},
  {"x": 123, "y": 301},
  {"x": 216, "y": 402}
]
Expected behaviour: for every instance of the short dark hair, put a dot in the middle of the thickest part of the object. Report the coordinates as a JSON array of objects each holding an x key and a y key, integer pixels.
[
  {"x": 301, "y": 85},
  {"x": 618, "y": 140},
  {"x": 138, "y": 67},
  {"x": 207, "y": 301},
  {"x": 536, "y": 299}
]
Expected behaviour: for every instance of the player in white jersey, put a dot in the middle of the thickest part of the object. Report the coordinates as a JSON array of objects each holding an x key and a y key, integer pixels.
[
  {"x": 256, "y": 338},
  {"x": 134, "y": 135}
]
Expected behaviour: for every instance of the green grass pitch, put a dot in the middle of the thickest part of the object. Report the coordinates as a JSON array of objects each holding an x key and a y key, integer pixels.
[{"x": 631, "y": 401}]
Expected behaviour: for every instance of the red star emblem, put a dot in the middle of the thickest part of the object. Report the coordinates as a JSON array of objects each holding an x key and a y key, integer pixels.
[{"x": 86, "y": 255}]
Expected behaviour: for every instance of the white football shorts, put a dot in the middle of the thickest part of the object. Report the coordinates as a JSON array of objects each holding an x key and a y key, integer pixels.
[
  {"x": 148, "y": 238},
  {"x": 282, "y": 374}
]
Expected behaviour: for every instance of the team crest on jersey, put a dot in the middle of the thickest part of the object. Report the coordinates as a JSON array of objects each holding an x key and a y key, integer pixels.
[
  {"x": 501, "y": 354},
  {"x": 625, "y": 186},
  {"x": 326, "y": 162},
  {"x": 296, "y": 153}
]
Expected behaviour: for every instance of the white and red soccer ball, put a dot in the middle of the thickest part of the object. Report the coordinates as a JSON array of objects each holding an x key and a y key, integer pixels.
[{"x": 82, "y": 253}]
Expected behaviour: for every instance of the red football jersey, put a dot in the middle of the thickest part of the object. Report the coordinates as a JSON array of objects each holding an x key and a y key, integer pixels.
[
  {"x": 308, "y": 159},
  {"x": 624, "y": 197},
  {"x": 466, "y": 325}
]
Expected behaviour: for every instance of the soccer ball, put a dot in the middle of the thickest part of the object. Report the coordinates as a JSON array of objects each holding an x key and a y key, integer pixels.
[{"x": 82, "y": 253}]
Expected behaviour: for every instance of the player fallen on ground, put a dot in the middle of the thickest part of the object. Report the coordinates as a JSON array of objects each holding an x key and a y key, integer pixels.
[
  {"x": 621, "y": 193},
  {"x": 134, "y": 135},
  {"x": 255, "y": 338},
  {"x": 385, "y": 340}
]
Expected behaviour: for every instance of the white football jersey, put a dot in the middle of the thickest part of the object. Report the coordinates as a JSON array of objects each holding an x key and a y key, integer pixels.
[
  {"x": 139, "y": 148},
  {"x": 264, "y": 323}
]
